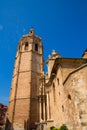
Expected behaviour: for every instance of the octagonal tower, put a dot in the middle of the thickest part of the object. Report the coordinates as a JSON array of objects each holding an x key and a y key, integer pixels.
[{"x": 23, "y": 110}]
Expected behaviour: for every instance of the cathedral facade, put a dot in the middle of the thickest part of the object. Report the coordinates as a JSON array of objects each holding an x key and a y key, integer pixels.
[{"x": 38, "y": 100}]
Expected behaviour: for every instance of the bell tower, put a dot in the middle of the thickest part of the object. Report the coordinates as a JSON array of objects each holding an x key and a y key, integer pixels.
[{"x": 23, "y": 109}]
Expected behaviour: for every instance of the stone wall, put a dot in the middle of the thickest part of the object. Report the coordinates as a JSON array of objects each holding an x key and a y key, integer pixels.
[{"x": 76, "y": 87}]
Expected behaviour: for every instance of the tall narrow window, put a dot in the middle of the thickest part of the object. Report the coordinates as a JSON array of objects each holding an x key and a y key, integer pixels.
[
  {"x": 69, "y": 97},
  {"x": 58, "y": 81},
  {"x": 54, "y": 92},
  {"x": 36, "y": 47},
  {"x": 48, "y": 106},
  {"x": 26, "y": 46},
  {"x": 62, "y": 108}
]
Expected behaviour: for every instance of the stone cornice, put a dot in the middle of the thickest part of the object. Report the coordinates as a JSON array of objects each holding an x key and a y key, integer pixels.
[{"x": 60, "y": 61}]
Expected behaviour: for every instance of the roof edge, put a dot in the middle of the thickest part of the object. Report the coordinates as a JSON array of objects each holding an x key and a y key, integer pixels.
[{"x": 79, "y": 68}]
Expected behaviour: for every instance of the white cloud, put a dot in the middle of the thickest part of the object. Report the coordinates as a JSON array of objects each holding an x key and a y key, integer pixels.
[{"x": 1, "y": 27}]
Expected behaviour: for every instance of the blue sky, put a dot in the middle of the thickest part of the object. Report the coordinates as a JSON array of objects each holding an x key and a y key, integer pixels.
[{"x": 62, "y": 25}]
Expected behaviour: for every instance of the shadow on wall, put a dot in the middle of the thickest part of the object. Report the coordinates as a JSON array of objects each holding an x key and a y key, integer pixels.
[
  {"x": 26, "y": 125},
  {"x": 8, "y": 125},
  {"x": 29, "y": 126}
]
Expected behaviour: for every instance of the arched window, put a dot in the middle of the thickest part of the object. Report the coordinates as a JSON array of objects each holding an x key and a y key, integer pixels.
[
  {"x": 69, "y": 96},
  {"x": 26, "y": 46},
  {"x": 36, "y": 47}
]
